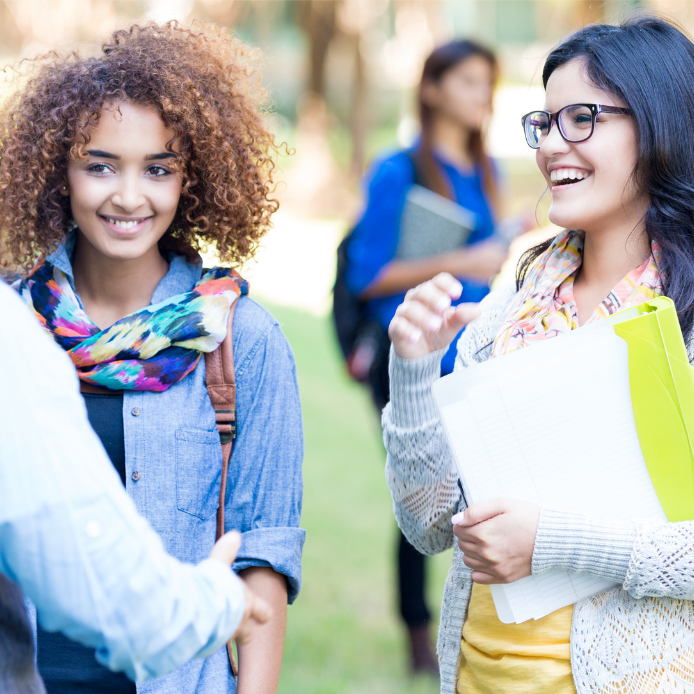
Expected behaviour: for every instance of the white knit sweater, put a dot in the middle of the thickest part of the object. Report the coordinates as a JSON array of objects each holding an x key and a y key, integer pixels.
[{"x": 635, "y": 640}]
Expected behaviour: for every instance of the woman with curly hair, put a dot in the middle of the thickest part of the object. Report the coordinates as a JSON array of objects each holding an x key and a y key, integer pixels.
[{"x": 115, "y": 171}]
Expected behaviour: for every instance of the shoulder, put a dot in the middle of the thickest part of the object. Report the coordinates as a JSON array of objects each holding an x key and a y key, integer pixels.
[
  {"x": 257, "y": 335},
  {"x": 394, "y": 167}
]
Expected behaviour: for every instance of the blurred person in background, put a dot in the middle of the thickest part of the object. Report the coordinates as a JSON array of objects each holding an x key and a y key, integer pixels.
[
  {"x": 449, "y": 159},
  {"x": 114, "y": 171}
]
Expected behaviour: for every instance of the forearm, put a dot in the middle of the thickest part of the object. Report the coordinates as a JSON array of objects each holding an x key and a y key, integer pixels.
[
  {"x": 648, "y": 558},
  {"x": 400, "y": 275},
  {"x": 419, "y": 468},
  {"x": 260, "y": 660}
]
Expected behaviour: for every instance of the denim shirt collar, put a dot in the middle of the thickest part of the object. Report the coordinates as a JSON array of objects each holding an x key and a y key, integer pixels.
[{"x": 181, "y": 277}]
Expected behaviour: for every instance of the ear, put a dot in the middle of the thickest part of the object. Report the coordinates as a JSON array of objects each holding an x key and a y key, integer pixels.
[
  {"x": 64, "y": 189},
  {"x": 431, "y": 94}
]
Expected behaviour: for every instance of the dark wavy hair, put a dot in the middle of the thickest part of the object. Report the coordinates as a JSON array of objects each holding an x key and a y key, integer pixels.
[
  {"x": 199, "y": 80},
  {"x": 441, "y": 60},
  {"x": 648, "y": 64}
]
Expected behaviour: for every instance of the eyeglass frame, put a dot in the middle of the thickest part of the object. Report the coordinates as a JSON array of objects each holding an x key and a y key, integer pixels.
[{"x": 595, "y": 109}]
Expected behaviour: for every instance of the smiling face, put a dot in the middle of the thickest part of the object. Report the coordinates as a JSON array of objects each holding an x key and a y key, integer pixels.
[
  {"x": 464, "y": 93},
  {"x": 125, "y": 195},
  {"x": 590, "y": 182}
]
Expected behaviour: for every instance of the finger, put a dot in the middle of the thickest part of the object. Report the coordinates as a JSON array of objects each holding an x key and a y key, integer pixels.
[
  {"x": 449, "y": 284},
  {"x": 462, "y": 315},
  {"x": 227, "y": 547},
  {"x": 478, "y": 513},
  {"x": 485, "y": 579},
  {"x": 476, "y": 564},
  {"x": 401, "y": 329},
  {"x": 470, "y": 549},
  {"x": 420, "y": 316},
  {"x": 433, "y": 296},
  {"x": 262, "y": 611}
]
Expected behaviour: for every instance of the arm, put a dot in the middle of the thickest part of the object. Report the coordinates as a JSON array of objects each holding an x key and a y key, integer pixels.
[
  {"x": 71, "y": 537},
  {"x": 266, "y": 491},
  {"x": 481, "y": 261},
  {"x": 420, "y": 470},
  {"x": 649, "y": 559},
  {"x": 260, "y": 660}
]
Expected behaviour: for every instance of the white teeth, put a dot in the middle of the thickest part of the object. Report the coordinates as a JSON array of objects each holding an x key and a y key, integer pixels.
[
  {"x": 567, "y": 175},
  {"x": 123, "y": 223}
]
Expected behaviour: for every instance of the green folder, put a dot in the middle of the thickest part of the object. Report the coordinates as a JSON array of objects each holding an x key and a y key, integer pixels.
[{"x": 662, "y": 396}]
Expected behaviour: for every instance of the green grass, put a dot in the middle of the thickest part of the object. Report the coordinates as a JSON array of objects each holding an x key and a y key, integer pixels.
[{"x": 343, "y": 636}]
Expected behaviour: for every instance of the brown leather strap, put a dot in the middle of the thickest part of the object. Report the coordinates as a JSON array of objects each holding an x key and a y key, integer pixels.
[
  {"x": 220, "y": 379},
  {"x": 96, "y": 390}
]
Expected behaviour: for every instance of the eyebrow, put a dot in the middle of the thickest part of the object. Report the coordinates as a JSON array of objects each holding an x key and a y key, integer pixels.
[{"x": 150, "y": 157}]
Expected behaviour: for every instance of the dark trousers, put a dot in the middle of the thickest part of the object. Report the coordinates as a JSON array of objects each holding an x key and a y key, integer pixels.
[{"x": 410, "y": 563}]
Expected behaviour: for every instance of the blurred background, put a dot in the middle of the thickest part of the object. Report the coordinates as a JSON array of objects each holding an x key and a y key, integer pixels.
[{"x": 342, "y": 75}]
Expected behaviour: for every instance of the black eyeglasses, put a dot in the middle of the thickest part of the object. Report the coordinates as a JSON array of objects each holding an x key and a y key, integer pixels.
[{"x": 576, "y": 122}]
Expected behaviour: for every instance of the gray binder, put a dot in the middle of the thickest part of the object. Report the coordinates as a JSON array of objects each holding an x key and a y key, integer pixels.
[{"x": 432, "y": 224}]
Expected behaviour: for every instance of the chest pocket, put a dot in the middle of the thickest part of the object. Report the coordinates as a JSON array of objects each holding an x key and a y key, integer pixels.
[{"x": 198, "y": 471}]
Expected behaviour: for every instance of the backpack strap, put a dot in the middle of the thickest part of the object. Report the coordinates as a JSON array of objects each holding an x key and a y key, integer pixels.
[{"x": 220, "y": 379}]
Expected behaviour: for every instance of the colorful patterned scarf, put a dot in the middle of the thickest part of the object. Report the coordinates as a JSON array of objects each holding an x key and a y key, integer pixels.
[
  {"x": 545, "y": 305},
  {"x": 150, "y": 349}
]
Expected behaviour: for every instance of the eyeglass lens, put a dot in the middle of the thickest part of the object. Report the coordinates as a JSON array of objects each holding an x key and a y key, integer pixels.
[{"x": 575, "y": 124}]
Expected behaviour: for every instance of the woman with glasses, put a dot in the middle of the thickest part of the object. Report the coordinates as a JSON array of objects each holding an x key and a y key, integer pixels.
[{"x": 615, "y": 143}]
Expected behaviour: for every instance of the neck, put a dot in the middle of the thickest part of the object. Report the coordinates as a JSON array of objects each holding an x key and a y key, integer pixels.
[
  {"x": 451, "y": 138},
  {"x": 110, "y": 288},
  {"x": 607, "y": 258}
]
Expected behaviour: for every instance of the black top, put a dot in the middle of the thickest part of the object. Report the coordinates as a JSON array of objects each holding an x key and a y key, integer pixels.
[{"x": 67, "y": 666}]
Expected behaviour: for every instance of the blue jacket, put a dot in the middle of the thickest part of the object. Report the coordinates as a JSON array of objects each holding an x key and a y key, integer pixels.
[{"x": 171, "y": 440}]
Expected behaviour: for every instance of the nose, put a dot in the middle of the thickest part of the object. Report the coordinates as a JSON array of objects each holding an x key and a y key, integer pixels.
[
  {"x": 554, "y": 143},
  {"x": 128, "y": 196}
]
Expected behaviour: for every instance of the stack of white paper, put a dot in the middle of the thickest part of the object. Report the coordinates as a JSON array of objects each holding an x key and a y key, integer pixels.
[{"x": 551, "y": 424}]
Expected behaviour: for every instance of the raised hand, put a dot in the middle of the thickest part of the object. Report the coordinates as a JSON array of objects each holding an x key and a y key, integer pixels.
[{"x": 426, "y": 321}]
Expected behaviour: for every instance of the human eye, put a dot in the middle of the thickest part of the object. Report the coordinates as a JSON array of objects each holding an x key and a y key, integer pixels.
[
  {"x": 578, "y": 116},
  {"x": 158, "y": 171},
  {"x": 99, "y": 168}
]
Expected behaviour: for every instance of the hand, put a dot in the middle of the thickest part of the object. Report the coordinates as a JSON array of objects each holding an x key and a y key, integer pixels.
[
  {"x": 481, "y": 261},
  {"x": 257, "y": 611},
  {"x": 497, "y": 538},
  {"x": 426, "y": 321}
]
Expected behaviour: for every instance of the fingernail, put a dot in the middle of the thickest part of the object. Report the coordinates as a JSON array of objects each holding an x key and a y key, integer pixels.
[
  {"x": 435, "y": 323},
  {"x": 415, "y": 335},
  {"x": 458, "y": 518},
  {"x": 443, "y": 303}
]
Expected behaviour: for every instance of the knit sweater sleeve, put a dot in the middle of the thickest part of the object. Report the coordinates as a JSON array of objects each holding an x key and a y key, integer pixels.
[
  {"x": 420, "y": 469},
  {"x": 648, "y": 558}
]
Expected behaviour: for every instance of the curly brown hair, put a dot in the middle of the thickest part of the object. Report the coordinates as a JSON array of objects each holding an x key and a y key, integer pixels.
[{"x": 199, "y": 80}]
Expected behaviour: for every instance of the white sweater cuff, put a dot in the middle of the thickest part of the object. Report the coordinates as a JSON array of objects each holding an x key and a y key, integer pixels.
[
  {"x": 411, "y": 399},
  {"x": 574, "y": 542}
]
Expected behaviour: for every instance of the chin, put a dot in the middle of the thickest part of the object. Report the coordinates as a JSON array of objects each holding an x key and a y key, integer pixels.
[{"x": 566, "y": 219}]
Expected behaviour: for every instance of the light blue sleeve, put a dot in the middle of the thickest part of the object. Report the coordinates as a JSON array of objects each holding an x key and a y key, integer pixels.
[
  {"x": 265, "y": 487},
  {"x": 71, "y": 537}
]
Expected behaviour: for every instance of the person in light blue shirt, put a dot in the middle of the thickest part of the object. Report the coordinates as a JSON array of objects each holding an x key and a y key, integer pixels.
[
  {"x": 449, "y": 158},
  {"x": 72, "y": 540}
]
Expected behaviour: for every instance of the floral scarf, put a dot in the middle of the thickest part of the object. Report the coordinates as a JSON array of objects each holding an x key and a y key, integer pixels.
[
  {"x": 545, "y": 307},
  {"x": 150, "y": 349}
]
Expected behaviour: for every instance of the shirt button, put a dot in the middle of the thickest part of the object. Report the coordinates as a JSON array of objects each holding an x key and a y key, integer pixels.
[
  {"x": 136, "y": 475},
  {"x": 135, "y": 411}
]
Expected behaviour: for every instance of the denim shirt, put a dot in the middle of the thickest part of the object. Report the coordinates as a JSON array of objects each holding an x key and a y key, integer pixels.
[{"x": 173, "y": 460}]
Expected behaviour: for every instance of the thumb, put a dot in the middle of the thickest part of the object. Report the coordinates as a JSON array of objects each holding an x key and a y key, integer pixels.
[
  {"x": 459, "y": 316},
  {"x": 227, "y": 547},
  {"x": 478, "y": 513},
  {"x": 261, "y": 610}
]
